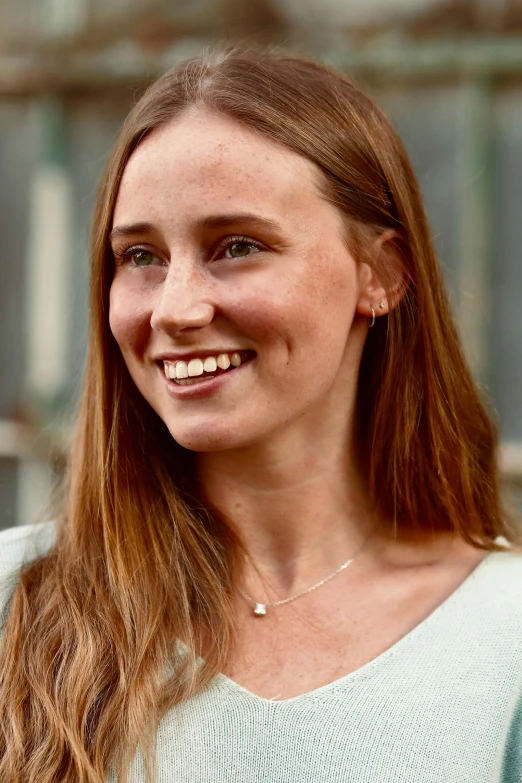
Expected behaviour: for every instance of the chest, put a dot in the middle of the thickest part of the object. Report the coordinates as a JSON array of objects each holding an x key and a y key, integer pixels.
[
  {"x": 302, "y": 646},
  {"x": 440, "y": 711}
]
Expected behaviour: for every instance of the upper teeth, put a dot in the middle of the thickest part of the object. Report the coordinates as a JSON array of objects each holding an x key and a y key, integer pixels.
[{"x": 194, "y": 367}]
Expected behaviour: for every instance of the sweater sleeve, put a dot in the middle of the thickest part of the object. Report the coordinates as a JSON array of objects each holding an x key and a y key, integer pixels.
[{"x": 18, "y": 546}]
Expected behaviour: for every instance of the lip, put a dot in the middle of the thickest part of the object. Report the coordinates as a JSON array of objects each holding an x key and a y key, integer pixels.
[{"x": 203, "y": 388}]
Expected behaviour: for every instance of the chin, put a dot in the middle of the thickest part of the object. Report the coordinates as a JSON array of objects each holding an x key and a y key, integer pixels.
[
  {"x": 201, "y": 440},
  {"x": 202, "y": 437}
]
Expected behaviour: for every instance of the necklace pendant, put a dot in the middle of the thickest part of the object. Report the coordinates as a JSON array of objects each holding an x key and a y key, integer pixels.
[{"x": 260, "y": 610}]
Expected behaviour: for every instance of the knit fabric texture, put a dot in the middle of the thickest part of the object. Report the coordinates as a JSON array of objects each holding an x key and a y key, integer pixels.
[{"x": 442, "y": 705}]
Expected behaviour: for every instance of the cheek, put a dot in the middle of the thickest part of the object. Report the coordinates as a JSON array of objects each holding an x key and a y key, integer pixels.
[
  {"x": 303, "y": 320},
  {"x": 325, "y": 304},
  {"x": 129, "y": 320},
  {"x": 337, "y": 284}
]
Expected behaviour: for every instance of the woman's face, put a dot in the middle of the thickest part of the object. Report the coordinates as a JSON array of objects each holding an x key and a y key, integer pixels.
[{"x": 223, "y": 245}]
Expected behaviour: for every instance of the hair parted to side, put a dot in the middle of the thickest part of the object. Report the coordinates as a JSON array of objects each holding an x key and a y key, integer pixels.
[{"x": 89, "y": 659}]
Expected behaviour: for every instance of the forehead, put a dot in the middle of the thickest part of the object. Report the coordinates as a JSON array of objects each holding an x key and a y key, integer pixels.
[{"x": 205, "y": 161}]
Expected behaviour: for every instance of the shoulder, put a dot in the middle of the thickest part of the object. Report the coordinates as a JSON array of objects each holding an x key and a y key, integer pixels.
[
  {"x": 504, "y": 567},
  {"x": 18, "y": 546},
  {"x": 496, "y": 587}
]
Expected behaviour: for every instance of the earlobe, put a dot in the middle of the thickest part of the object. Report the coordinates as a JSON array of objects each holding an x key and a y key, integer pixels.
[
  {"x": 385, "y": 280},
  {"x": 372, "y": 307},
  {"x": 373, "y": 299}
]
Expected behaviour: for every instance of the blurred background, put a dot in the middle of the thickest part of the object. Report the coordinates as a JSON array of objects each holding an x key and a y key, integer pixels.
[{"x": 448, "y": 72}]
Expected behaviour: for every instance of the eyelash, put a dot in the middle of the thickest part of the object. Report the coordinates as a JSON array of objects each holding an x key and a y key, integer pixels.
[{"x": 125, "y": 257}]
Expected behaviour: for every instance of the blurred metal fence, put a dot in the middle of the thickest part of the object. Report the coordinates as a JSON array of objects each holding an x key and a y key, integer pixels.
[{"x": 449, "y": 74}]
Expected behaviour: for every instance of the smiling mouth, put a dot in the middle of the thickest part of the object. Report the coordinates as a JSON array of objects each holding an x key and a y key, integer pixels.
[{"x": 197, "y": 370}]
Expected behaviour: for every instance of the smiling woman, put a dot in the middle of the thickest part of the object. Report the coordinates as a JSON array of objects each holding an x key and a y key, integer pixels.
[{"x": 282, "y": 554}]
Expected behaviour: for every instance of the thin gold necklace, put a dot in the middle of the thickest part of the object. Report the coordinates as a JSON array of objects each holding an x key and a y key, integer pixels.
[{"x": 260, "y": 609}]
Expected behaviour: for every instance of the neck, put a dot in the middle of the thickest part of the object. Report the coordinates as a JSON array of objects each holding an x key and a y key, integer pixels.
[{"x": 300, "y": 509}]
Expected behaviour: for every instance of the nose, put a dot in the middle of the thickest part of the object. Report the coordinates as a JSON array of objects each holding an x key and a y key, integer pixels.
[{"x": 184, "y": 301}]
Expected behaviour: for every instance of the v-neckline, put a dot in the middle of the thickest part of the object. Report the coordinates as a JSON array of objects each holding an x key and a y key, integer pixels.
[{"x": 380, "y": 659}]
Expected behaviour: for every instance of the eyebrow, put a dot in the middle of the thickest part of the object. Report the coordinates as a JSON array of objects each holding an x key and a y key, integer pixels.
[
  {"x": 212, "y": 221},
  {"x": 240, "y": 218},
  {"x": 131, "y": 230}
]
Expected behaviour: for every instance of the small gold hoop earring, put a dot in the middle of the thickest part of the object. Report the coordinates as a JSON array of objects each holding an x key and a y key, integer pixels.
[{"x": 373, "y": 317}]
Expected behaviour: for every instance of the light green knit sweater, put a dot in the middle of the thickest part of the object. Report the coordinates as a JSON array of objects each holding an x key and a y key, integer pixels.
[{"x": 442, "y": 705}]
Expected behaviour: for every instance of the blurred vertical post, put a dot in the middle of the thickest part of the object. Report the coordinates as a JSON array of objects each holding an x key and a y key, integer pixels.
[
  {"x": 48, "y": 266},
  {"x": 48, "y": 261},
  {"x": 474, "y": 223}
]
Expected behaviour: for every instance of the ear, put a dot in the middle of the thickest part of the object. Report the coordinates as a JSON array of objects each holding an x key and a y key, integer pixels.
[{"x": 383, "y": 280}]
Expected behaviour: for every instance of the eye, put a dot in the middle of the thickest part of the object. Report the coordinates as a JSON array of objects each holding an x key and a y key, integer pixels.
[
  {"x": 240, "y": 248},
  {"x": 138, "y": 256}
]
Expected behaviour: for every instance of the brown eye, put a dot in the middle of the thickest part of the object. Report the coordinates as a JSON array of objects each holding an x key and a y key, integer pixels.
[
  {"x": 240, "y": 249},
  {"x": 141, "y": 258}
]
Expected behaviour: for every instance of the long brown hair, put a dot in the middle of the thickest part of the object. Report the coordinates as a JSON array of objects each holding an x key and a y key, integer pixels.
[{"x": 90, "y": 659}]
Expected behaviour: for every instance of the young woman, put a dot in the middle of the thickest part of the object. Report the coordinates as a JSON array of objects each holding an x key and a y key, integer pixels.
[{"x": 282, "y": 555}]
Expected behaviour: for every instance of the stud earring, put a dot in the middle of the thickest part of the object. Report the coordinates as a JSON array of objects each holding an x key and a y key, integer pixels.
[
  {"x": 381, "y": 305},
  {"x": 373, "y": 317}
]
